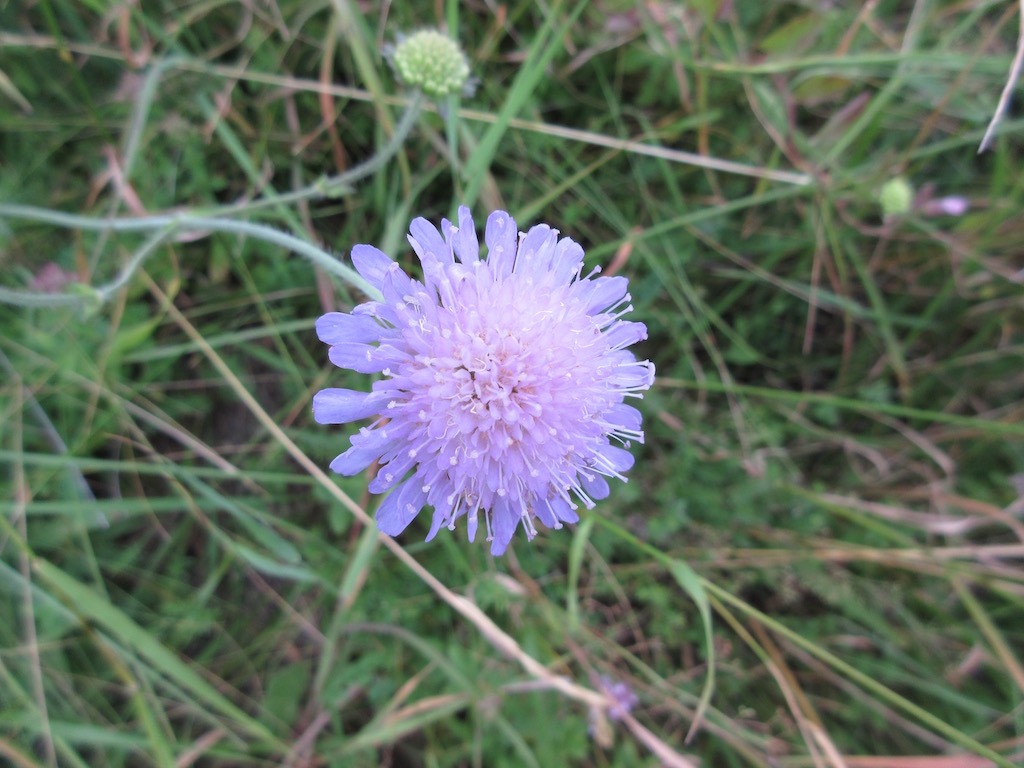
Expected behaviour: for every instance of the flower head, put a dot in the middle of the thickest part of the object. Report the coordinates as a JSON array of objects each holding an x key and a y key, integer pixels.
[
  {"x": 896, "y": 197},
  {"x": 432, "y": 62},
  {"x": 504, "y": 379}
]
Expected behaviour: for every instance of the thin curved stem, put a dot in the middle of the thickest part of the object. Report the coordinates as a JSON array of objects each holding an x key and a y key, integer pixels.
[
  {"x": 169, "y": 224},
  {"x": 213, "y": 221}
]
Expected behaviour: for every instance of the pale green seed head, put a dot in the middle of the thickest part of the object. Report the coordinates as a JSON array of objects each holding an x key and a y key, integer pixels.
[
  {"x": 896, "y": 197},
  {"x": 432, "y": 62}
]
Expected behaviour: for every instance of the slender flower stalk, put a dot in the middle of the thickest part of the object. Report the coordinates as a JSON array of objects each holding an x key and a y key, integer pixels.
[
  {"x": 503, "y": 383},
  {"x": 167, "y": 226}
]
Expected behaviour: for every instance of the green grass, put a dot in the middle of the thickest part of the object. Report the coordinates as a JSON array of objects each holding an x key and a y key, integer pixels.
[{"x": 826, "y": 513}]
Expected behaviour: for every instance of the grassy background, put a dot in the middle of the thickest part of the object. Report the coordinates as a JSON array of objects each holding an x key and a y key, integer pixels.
[{"x": 832, "y": 469}]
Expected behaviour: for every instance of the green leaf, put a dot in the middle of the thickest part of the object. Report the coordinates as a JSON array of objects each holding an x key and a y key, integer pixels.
[
  {"x": 271, "y": 567},
  {"x": 688, "y": 579},
  {"x": 792, "y": 36},
  {"x": 286, "y": 689},
  {"x": 579, "y": 543},
  {"x": 133, "y": 337}
]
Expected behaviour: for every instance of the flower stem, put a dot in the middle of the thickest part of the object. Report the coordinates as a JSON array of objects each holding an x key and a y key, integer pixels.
[{"x": 167, "y": 225}]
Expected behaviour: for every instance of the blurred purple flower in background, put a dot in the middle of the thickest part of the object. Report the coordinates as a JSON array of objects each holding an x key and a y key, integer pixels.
[
  {"x": 504, "y": 380},
  {"x": 622, "y": 697},
  {"x": 952, "y": 205}
]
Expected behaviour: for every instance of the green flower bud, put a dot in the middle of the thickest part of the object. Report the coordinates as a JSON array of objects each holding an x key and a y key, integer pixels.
[
  {"x": 896, "y": 197},
  {"x": 432, "y": 62}
]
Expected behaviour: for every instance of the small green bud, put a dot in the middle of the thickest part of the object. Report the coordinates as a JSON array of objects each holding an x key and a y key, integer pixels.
[
  {"x": 432, "y": 62},
  {"x": 896, "y": 197}
]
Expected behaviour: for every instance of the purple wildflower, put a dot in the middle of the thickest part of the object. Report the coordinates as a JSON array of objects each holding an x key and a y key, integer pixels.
[
  {"x": 621, "y": 695},
  {"x": 952, "y": 205},
  {"x": 503, "y": 384}
]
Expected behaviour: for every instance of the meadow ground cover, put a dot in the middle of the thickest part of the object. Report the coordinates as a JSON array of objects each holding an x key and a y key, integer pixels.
[{"x": 817, "y": 558}]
